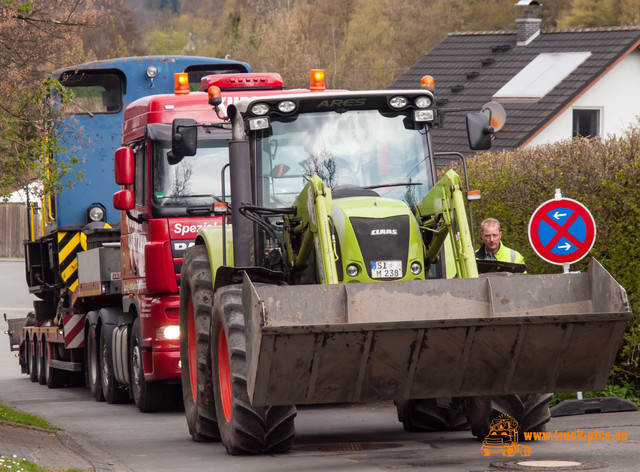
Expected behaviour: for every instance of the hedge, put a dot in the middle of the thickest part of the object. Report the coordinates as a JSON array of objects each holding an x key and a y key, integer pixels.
[{"x": 602, "y": 174}]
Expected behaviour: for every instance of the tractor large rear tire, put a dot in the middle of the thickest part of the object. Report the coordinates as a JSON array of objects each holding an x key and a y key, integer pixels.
[
  {"x": 531, "y": 411},
  {"x": 196, "y": 301},
  {"x": 428, "y": 415},
  {"x": 244, "y": 429}
]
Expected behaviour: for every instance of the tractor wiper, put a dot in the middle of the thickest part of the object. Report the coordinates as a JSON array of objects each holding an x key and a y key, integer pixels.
[{"x": 397, "y": 184}]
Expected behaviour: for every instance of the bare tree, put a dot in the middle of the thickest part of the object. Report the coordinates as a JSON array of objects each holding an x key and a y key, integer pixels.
[{"x": 35, "y": 38}]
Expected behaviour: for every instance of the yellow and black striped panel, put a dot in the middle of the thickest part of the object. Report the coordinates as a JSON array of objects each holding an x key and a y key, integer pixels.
[{"x": 69, "y": 244}]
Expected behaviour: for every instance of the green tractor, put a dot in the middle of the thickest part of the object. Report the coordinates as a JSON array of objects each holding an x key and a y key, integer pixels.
[{"x": 325, "y": 282}]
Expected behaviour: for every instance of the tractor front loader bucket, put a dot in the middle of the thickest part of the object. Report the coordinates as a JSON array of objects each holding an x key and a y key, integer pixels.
[{"x": 494, "y": 335}]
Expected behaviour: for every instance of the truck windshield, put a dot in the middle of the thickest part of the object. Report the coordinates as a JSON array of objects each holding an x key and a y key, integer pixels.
[
  {"x": 364, "y": 148},
  {"x": 195, "y": 180},
  {"x": 93, "y": 92}
]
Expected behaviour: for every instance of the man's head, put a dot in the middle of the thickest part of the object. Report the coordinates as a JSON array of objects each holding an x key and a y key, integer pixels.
[{"x": 491, "y": 235}]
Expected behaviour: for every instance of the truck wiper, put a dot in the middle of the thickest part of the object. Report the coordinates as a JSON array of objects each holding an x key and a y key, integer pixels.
[
  {"x": 397, "y": 184},
  {"x": 206, "y": 195}
]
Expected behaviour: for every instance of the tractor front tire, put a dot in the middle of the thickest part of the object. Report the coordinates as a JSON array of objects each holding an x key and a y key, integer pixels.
[
  {"x": 196, "y": 301},
  {"x": 530, "y": 411},
  {"x": 429, "y": 415},
  {"x": 244, "y": 429}
]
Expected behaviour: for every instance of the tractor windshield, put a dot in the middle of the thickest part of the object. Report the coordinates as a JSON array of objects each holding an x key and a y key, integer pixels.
[{"x": 387, "y": 153}]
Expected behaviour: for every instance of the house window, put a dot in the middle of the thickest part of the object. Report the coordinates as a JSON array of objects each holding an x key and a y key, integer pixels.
[{"x": 586, "y": 123}]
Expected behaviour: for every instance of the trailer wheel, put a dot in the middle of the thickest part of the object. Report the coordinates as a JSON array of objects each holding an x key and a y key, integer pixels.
[
  {"x": 196, "y": 300},
  {"x": 148, "y": 397},
  {"x": 43, "y": 362},
  {"x": 55, "y": 378},
  {"x": 34, "y": 361},
  {"x": 244, "y": 429},
  {"x": 92, "y": 366},
  {"x": 111, "y": 389},
  {"x": 27, "y": 355},
  {"x": 530, "y": 411},
  {"x": 427, "y": 415}
]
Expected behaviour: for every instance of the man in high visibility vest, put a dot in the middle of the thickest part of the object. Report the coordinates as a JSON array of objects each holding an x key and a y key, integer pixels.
[{"x": 492, "y": 248}]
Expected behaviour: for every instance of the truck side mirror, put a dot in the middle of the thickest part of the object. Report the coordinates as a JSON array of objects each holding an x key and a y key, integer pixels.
[
  {"x": 124, "y": 166},
  {"x": 479, "y": 132},
  {"x": 123, "y": 200},
  {"x": 184, "y": 139}
]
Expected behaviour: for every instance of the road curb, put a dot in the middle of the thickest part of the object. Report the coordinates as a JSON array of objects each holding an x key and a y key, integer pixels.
[
  {"x": 54, "y": 449},
  {"x": 100, "y": 460}
]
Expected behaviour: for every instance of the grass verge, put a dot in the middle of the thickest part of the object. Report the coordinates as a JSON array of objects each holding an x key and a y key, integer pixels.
[
  {"x": 14, "y": 464},
  {"x": 14, "y": 416}
]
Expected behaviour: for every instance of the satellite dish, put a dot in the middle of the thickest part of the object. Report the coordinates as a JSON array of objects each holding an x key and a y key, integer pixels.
[{"x": 496, "y": 113}]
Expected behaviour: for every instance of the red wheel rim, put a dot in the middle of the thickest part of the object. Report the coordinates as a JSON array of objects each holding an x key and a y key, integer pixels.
[
  {"x": 224, "y": 377},
  {"x": 192, "y": 352}
]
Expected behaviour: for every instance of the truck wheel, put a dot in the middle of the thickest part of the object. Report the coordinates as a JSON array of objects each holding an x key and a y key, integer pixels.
[
  {"x": 428, "y": 415},
  {"x": 244, "y": 429},
  {"x": 92, "y": 366},
  {"x": 147, "y": 396},
  {"x": 111, "y": 389},
  {"x": 34, "y": 361},
  {"x": 530, "y": 411},
  {"x": 196, "y": 300}
]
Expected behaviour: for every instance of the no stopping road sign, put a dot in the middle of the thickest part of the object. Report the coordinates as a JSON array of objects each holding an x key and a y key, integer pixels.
[{"x": 562, "y": 231}]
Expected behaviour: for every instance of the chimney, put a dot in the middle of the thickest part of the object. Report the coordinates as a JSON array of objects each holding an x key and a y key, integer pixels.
[{"x": 529, "y": 25}]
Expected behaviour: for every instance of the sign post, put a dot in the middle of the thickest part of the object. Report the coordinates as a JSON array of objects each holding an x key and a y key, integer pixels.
[{"x": 562, "y": 231}]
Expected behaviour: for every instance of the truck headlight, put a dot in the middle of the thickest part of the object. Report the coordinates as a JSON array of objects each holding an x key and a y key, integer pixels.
[
  {"x": 165, "y": 333},
  {"x": 96, "y": 212}
]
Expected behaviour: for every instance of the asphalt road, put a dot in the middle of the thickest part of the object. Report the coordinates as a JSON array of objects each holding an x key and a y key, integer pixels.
[{"x": 336, "y": 438}]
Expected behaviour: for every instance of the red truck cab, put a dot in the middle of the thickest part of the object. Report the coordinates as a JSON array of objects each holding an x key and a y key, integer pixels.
[{"x": 163, "y": 204}]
